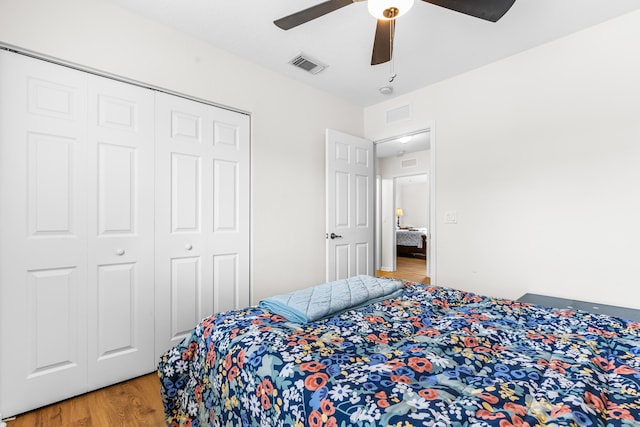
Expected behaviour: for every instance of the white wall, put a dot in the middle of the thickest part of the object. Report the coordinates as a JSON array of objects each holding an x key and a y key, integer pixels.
[
  {"x": 539, "y": 154},
  {"x": 413, "y": 198},
  {"x": 288, "y": 118}
]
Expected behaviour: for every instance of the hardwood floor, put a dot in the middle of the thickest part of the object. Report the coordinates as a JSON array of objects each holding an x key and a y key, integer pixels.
[
  {"x": 132, "y": 403},
  {"x": 137, "y": 402},
  {"x": 413, "y": 269}
]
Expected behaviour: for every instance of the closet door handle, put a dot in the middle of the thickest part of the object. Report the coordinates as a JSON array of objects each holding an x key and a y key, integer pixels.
[
  {"x": 188, "y": 247},
  {"x": 119, "y": 252}
]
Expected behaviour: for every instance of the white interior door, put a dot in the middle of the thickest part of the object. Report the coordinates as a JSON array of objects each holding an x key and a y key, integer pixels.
[
  {"x": 43, "y": 252},
  {"x": 350, "y": 205},
  {"x": 121, "y": 232},
  {"x": 202, "y": 221}
]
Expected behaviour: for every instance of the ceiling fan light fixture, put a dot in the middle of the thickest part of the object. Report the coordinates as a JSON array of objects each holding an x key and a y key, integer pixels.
[{"x": 380, "y": 9}]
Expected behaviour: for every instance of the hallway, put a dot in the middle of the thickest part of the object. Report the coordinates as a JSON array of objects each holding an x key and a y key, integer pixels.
[{"x": 413, "y": 269}]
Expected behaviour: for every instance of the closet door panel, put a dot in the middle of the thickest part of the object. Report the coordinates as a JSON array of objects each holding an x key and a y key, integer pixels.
[
  {"x": 116, "y": 294},
  {"x": 202, "y": 223},
  {"x": 186, "y": 287},
  {"x": 226, "y": 195},
  {"x": 51, "y": 172},
  {"x": 117, "y": 174},
  {"x": 121, "y": 236},
  {"x": 226, "y": 283},
  {"x": 181, "y": 269},
  {"x": 43, "y": 236},
  {"x": 229, "y": 240},
  {"x": 52, "y": 345},
  {"x": 186, "y": 197}
]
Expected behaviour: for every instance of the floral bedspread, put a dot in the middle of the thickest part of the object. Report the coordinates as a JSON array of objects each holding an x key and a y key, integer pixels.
[{"x": 432, "y": 357}]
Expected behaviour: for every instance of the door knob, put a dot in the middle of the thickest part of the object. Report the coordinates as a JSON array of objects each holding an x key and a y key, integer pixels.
[
  {"x": 188, "y": 247},
  {"x": 335, "y": 236},
  {"x": 119, "y": 252}
]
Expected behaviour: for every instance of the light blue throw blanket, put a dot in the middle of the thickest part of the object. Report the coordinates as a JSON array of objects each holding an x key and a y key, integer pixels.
[{"x": 317, "y": 302}]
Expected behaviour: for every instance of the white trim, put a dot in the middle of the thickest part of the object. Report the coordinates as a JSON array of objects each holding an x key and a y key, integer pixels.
[
  {"x": 431, "y": 238},
  {"x": 378, "y": 227},
  {"x": 393, "y": 138},
  {"x": 394, "y": 199}
]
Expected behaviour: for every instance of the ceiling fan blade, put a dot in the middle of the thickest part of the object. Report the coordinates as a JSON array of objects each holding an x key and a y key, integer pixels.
[
  {"x": 383, "y": 42},
  {"x": 311, "y": 13},
  {"x": 490, "y": 10}
]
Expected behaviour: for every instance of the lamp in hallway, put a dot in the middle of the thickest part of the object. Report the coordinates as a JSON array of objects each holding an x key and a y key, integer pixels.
[{"x": 399, "y": 213}]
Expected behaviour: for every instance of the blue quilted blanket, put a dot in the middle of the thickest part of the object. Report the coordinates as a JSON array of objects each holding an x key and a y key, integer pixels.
[{"x": 327, "y": 299}]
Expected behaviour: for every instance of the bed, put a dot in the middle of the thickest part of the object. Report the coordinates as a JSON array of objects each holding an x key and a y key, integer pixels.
[
  {"x": 411, "y": 243},
  {"x": 424, "y": 356}
]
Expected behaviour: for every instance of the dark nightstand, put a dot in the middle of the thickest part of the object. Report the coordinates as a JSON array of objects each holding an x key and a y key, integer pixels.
[{"x": 591, "y": 307}]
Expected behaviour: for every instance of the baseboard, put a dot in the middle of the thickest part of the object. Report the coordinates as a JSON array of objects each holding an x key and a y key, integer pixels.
[{"x": 386, "y": 269}]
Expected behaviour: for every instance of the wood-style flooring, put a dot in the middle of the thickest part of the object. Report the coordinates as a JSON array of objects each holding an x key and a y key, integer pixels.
[
  {"x": 132, "y": 403},
  {"x": 137, "y": 403},
  {"x": 414, "y": 269}
]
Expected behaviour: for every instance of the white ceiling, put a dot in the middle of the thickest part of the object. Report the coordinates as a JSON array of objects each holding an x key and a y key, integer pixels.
[{"x": 431, "y": 43}]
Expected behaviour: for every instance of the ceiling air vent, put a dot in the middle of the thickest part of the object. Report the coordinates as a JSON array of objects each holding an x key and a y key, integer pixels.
[
  {"x": 398, "y": 114},
  {"x": 409, "y": 163},
  {"x": 307, "y": 64}
]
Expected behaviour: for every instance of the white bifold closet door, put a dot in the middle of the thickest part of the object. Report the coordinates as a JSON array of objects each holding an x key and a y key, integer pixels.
[
  {"x": 124, "y": 221},
  {"x": 43, "y": 250},
  {"x": 120, "y": 247},
  {"x": 76, "y": 251},
  {"x": 202, "y": 215}
]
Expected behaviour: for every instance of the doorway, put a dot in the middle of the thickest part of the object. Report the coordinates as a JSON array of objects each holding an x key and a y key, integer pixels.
[{"x": 405, "y": 206}]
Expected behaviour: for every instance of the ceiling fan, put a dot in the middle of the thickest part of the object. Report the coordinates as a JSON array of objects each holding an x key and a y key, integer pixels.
[{"x": 386, "y": 11}]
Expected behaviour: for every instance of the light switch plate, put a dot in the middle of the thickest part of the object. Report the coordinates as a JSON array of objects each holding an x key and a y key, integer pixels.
[{"x": 450, "y": 217}]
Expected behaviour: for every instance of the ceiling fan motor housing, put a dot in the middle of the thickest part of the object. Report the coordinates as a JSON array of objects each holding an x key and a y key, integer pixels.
[{"x": 390, "y": 13}]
